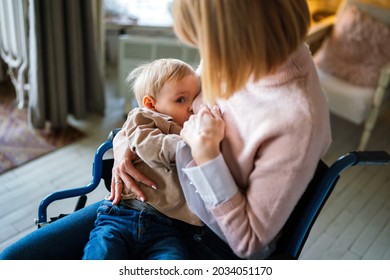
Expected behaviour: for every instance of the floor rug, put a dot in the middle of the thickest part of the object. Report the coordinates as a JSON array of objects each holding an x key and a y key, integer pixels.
[{"x": 19, "y": 143}]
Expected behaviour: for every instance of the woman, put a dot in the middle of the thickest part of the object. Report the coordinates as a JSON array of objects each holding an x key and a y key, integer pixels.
[
  {"x": 257, "y": 69},
  {"x": 245, "y": 165}
]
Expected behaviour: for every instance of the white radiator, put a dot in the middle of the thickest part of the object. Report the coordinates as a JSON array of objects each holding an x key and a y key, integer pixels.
[
  {"x": 13, "y": 44},
  {"x": 137, "y": 49}
]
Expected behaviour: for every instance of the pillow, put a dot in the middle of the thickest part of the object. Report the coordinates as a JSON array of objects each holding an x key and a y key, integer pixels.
[{"x": 356, "y": 49}]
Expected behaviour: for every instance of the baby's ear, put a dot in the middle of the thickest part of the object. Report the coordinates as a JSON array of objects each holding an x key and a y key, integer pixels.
[{"x": 149, "y": 102}]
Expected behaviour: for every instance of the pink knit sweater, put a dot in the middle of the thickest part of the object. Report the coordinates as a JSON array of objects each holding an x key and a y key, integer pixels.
[{"x": 277, "y": 129}]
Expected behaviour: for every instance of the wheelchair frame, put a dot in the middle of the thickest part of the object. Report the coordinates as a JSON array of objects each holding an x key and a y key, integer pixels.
[{"x": 298, "y": 226}]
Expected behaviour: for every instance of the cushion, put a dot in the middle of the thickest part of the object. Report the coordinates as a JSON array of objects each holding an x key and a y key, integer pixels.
[
  {"x": 356, "y": 49},
  {"x": 343, "y": 100}
]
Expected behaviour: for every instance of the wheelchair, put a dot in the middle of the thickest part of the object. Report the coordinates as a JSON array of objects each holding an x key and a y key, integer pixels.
[{"x": 298, "y": 226}]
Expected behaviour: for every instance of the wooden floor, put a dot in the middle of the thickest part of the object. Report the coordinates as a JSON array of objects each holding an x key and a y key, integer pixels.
[{"x": 355, "y": 224}]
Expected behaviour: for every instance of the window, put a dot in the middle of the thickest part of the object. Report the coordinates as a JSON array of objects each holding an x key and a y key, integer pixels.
[{"x": 144, "y": 12}]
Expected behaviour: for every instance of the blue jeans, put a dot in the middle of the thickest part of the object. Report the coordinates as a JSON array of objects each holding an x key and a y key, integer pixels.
[
  {"x": 67, "y": 237},
  {"x": 122, "y": 233}
]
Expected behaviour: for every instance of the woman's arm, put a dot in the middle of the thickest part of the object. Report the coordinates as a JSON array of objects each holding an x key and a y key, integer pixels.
[
  {"x": 124, "y": 174},
  {"x": 249, "y": 218},
  {"x": 203, "y": 133},
  {"x": 146, "y": 135}
]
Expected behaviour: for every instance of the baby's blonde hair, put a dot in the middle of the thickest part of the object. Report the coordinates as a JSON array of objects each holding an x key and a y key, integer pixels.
[
  {"x": 149, "y": 78},
  {"x": 240, "y": 40}
]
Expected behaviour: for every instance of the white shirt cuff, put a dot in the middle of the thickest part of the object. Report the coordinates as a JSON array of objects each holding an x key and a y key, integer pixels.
[{"x": 212, "y": 180}]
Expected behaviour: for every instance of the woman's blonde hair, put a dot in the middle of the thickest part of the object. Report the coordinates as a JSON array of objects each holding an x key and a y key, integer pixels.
[
  {"x": 149, "y": 78},
  {"x": 239, "y": 40}
]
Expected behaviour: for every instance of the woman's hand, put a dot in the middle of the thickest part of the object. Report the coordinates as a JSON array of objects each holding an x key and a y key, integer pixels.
[
  {"x": 204, "y": 132},
  {"x": 124, "y": 174}
]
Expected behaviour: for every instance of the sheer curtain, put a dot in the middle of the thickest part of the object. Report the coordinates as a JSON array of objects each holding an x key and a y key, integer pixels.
[{"x": 66, "y": 61}]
